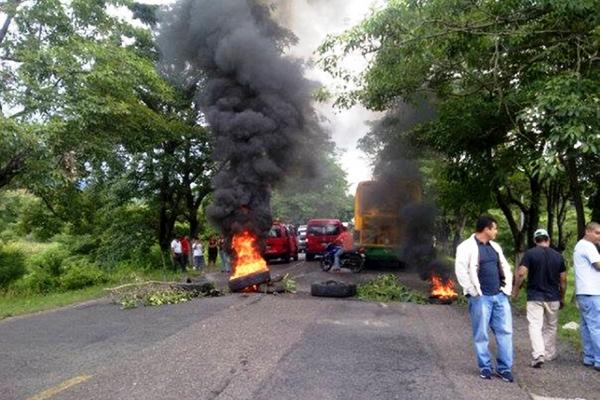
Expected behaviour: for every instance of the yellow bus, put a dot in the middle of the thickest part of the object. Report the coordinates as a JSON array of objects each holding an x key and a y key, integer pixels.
[{"x": 378, "y": 224}]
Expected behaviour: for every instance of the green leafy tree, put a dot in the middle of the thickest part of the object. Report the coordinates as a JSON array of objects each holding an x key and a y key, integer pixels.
[
  {"x": 514, "y": 83},
  {"x": 91, "y": 125},
  {"x": 323, "y": 196}
]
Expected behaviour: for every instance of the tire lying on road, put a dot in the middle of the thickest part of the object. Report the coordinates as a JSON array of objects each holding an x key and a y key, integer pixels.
[
  {"x": 332, "y": 288},
  {"x": 238, "y": 284}
]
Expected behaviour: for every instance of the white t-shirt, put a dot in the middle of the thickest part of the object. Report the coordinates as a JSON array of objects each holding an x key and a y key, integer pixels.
[
  {"x": 198, "y": 250},
  {"x": 587, "y": 278},
  {"x": 176, "y": 246}
]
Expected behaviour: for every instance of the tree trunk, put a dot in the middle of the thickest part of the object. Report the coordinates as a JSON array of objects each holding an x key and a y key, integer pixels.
[
  {"x": 571, "y": 168},
  {"x": 166, "y": 227},
  {"x": 517, "y": 233},
  {"x": 561, "y": 216},
  {"x": 534, "y": 209},
  {"x": 167, "y": 215},
  {"x": 550, "y": 204},
  {"x": 594, "y": 203},
  {"x": 459, "y": 227}
]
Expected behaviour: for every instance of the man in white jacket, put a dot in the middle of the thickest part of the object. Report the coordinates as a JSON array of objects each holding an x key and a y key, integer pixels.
[{"x": 486, "y": 279}]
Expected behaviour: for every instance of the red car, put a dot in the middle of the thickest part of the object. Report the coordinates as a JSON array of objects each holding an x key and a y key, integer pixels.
[
  {"x": 281, "y": 243},
  {"x": 319, "y": 233}
]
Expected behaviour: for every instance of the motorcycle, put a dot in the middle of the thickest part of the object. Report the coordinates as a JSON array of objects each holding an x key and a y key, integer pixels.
[{"x": 353, "y": 260}]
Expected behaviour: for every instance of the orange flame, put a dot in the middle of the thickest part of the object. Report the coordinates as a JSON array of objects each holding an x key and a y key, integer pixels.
[
  {"x": 442, "y": 290},
  {"x": 248, "y": 259}
]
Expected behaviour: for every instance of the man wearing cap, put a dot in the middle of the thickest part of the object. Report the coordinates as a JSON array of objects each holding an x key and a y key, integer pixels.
[
  {"x": 546, "y": 275},
  {"x": 586, "y": 260}
]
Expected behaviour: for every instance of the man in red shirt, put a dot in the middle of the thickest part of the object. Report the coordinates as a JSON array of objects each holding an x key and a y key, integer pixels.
[
  {"x": 185, "y": 249},
  {"x": 344, "y": 242}
]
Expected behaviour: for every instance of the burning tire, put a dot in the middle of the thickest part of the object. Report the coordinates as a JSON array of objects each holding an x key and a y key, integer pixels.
[
  {"x": 333, "y": 288},
  {"x": 238, "y": 284}
]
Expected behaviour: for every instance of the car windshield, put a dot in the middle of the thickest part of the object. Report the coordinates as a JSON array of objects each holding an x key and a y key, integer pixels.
[
  {"x": 275, "y": 232},
  {"x": 323, "y": 230}
]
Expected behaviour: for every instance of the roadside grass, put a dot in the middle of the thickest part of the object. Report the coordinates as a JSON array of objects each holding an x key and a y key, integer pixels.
[
  {"x": 570, "y": 313},
  {"x": 14, "y": 304},
  {"x": 11, "y": 306}
]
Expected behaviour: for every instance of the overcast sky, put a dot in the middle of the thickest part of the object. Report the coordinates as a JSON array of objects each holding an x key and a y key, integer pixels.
[{"x": 311, "y": 21}]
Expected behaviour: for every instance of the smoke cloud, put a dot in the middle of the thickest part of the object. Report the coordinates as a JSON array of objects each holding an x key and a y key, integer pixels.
[
  {"x": 397, "y": 173},
  {"x": 256, "y": 101}
]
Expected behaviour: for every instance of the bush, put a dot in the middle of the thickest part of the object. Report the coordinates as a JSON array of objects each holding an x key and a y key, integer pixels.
[
  {"x": 129, "y": 235},
  {"x": 80, "y": 273},
  {"x": 37, "y": 220},
  {"x": 8, "y": 235},
  {"x": 51, "y": 259},
  {"x": 12, "y": 265},
  {"x": 79, "y": 244},
  {"x": 38, "y": 281}
]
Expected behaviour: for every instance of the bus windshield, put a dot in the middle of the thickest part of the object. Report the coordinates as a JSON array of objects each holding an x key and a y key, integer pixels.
[{"x": 378, "y": 212}]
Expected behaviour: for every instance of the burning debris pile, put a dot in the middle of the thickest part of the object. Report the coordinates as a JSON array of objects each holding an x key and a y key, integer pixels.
[
  {"x": 257, "y": 103},
  {"x": 442, "y": 290}
]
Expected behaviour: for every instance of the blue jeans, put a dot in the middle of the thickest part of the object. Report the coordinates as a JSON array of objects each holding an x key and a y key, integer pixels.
[
  {"x": 225, "y": 265},
  {"x": 336, "y": 257},
  {"x": 198, "y": 262},
  {"x": 589, "y": 308},
  {"x": 492, "y": 312}
]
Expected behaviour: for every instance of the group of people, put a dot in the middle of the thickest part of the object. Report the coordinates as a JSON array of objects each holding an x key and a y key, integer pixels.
[
  {"x": 185, "y": 254},
  {"x": 487, "y": 281}
]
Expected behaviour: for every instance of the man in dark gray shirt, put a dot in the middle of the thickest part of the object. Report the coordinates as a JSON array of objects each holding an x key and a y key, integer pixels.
[{"x": 546, "y": 275}]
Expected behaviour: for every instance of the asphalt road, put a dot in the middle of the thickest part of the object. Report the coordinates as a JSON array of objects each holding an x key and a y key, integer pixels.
[{"x": 259, "y": 346}]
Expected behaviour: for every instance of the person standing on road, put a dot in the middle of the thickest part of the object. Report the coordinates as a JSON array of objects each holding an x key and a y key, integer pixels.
[
  {"x": 486, "y": 278},
  {"x": 224, "y": 255},
  {"x": 185, "y": 250},
  {"x": 213, "y": 250},
  {"x": 198, "y": 253},
  {"x": 586, "y": 260},
  {"x": 546, "y": 274},
  {"x": 176, "y": 254}
]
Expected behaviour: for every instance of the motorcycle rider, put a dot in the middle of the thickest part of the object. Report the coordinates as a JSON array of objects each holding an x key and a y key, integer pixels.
[{"x": 344, "y": 242}]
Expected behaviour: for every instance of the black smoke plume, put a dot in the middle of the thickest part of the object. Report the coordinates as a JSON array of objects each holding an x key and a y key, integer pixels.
[
  {"x": 256, "y": 101},
  {"x": 398, "y": 156}
]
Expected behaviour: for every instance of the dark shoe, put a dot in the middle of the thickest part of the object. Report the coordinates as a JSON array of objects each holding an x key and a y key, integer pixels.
[
  {"x": 506, "y": 376},
  {"x": 597, "y": 367},
  {"x": 485, "y": 374},
  {"x": 587, "y": 365},
  {"x": 537, "y": 362}
]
